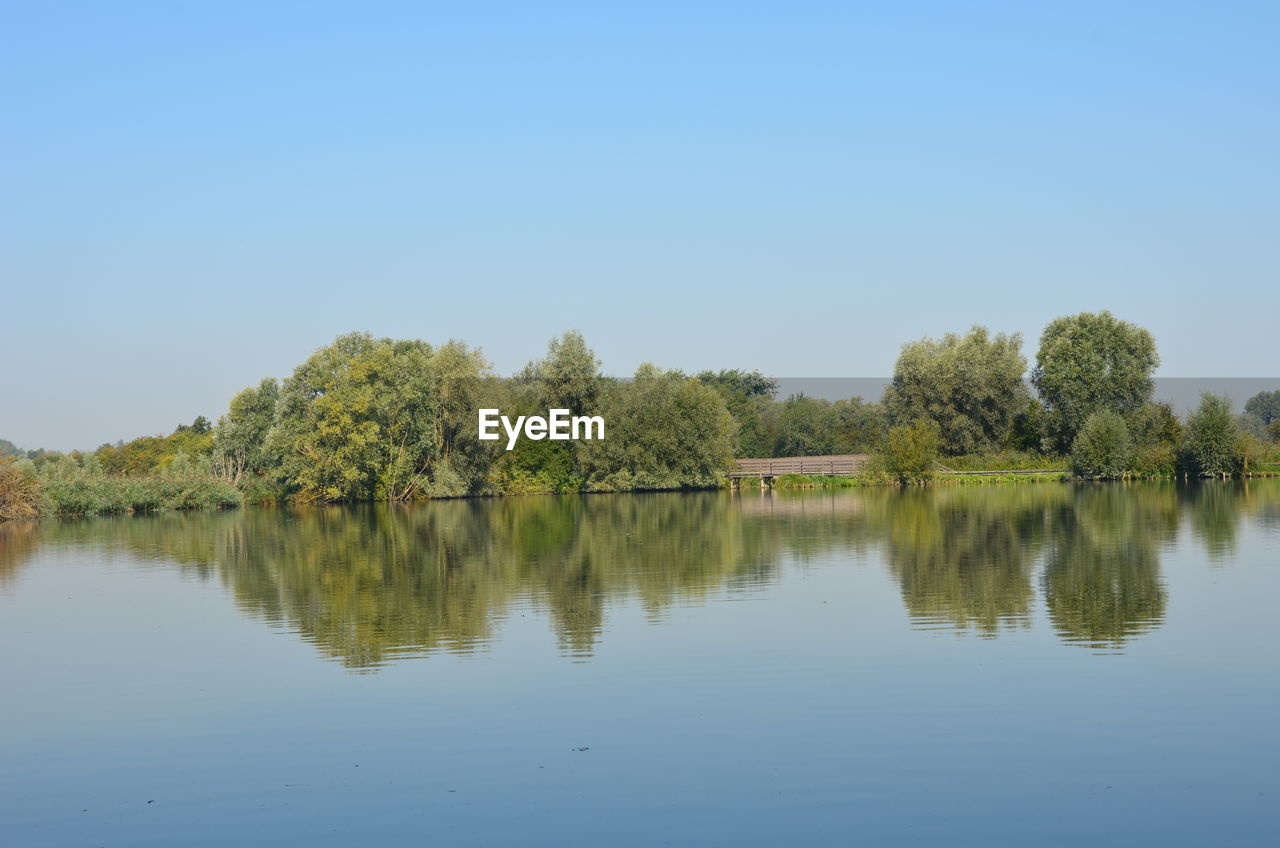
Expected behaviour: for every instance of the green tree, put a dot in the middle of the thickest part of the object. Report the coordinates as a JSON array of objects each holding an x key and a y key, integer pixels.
[
  {"x": 1089, "y": 362},
  {"x": 664, "y": 431},
  {"x": 911, "y": 451},
  {"x": 380, "y": 418},
  {"x": 1103, "y": 448},
  {"x": 1211, "y": 442},
  {"x": 569, "y": 376},
  {"x": 805, "y": 428},
  {"x": 240, "y": 437},
  {"x": 749, "y": 398},
  {"x": 1265, "y": 405},
  {"x": 970, "y": 386}
]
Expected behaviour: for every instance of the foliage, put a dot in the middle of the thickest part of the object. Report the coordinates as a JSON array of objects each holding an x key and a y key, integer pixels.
[
  {"x": 20, "y": 493},
  {"x": 80, "y": 486},
  {"x": 1103, "y": 448},
  {"x": 1212, "y": 440},
  {"x": 1273, "y": 430},
  {"x": 911, "y": 451},
  {"x": 239, "y": 440},
  {"x": 666, "y": 431},
  {"x": 971, "y": 387},
  {"x": 1028, "y": 431},
  {"x": 1154, "y": 423},
  {"x": 8, "y": 448},
  {"x": 748, "y": 395},
  {"x": 569, "y": 376},
  {"x": 150, "y": 454},
  {"x": 1006, "y": 460},
  {"x": 367, "y": 418},
  {"x": 806, "y": 426},
  {"x": 1266, "y": 406},
  {"x": 1090, "y": 362}
]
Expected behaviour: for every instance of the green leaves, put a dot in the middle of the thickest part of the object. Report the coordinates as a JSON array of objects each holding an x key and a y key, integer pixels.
[
  {"x": 1104, "y": 448},
  {"x": 970, "y": 386},
  {"x": 1089, "y": 362}
]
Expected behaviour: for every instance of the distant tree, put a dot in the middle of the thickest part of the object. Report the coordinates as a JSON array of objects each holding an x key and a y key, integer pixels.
[
  {"x": 665, "y": 431},
  {"x": 970, "y": 386},
  {"x": 1211, "y": 439},
  {"x": 1028, "y": 429},
  {"x": 750, "y": 384},
  {"x": 1103, "y": 448},
  {"x": 911, "y": 451},
  {"x": 860, "y": 427},
  {"x": 1154, "y": 423},
  {"x": 1265, "y": 405},
  {"x": 805, "y": 428},
  {"x": 1089, "y": 362},
  {"x": 8, "y": 448},
  {"x": 568, "y": 377},
  {"x": 749, "y": 398},
  {"x": 240, "y": 438}
]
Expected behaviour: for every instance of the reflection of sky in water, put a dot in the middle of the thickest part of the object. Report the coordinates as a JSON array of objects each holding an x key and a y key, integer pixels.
[{"x": 751, "y": 669}]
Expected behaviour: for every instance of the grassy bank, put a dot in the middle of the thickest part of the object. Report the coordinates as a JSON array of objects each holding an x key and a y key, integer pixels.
[{"x": 78, "y": 487}]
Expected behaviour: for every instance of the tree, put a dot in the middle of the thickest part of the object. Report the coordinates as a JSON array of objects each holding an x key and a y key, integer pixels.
[
  {"x": 805, "y": 428},
  {"x": 240, "y": 437},
  {"x": 1103, "y": 448},
  {"x": 1089, "y": 362},
  {"x": 1154, "y": 423},
  {"x": 665, "y": 431},
  {"x": 911, "y": 451},
  {"x": 1265, "y": 405},
  {"x": 1211, "y": 441},
  {"x": 970, "y": 386},
  {"x": 381, "y": 418},
  {"x": 569, "y": 375},
  {"x": 749, "y": 398}
]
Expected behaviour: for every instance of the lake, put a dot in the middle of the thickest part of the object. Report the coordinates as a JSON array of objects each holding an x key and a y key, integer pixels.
[{"x": 1042, "y": 664}]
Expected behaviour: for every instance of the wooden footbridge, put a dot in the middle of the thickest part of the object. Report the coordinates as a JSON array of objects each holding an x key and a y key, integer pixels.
[
  {"x": 843, "y": 465},
  {"x": 810, "y": 466}
]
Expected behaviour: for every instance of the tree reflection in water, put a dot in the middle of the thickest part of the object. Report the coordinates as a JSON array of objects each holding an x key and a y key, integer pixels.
[{"x": 368, "y": 584}]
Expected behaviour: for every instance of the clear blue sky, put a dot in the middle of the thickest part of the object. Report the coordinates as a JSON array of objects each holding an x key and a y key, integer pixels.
[{"x": 196, "y": 195}]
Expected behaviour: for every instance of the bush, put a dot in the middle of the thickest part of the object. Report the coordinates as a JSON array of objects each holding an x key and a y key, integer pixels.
[
  {"x": 1103, "y": 449},
  {"x": 73, "y": 487},
  {"x": 20, "y": 493},
  {"x": 1212, "y": 446},
  {"x": 911, "y": 451},
  {"x": 1160, "y": 460}
]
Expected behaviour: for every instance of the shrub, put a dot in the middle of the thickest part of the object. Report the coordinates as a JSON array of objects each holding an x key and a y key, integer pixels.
[
  {"x": 20, "y": 493},
  {"x": 1160, "y": 460},
  {"x": 1212, "y": 446},
  {"x": 911, "y": 451},
  {"x": 1103, "y": 448}
]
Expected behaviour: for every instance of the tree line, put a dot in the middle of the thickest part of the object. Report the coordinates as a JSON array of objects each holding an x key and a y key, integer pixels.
[{"x": 367, "y": 418}]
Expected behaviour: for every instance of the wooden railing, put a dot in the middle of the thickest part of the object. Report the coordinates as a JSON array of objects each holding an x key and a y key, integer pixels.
[{"x": 814, "y": 466}]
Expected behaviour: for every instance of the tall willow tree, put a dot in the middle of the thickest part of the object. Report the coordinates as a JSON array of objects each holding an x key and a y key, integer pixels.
[
  {"x": 1091, "y": 362},
  {"x": 969, "y": 386},
  {"x": 380, "y": 418}
]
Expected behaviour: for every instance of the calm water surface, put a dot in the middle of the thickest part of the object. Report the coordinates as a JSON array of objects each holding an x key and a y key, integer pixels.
[{"x": 1034, "y": 665}]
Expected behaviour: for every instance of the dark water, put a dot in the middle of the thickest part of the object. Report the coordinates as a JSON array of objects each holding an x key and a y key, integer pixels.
[{"x": 1035, "y": 665}]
